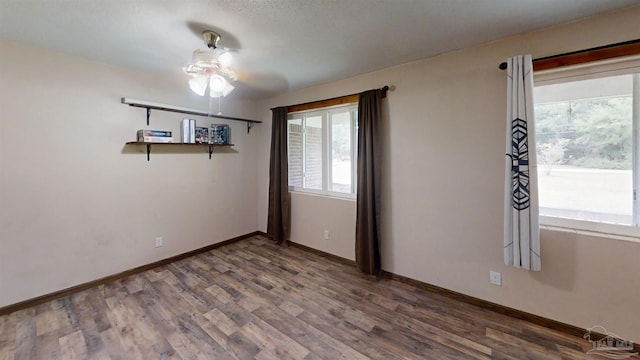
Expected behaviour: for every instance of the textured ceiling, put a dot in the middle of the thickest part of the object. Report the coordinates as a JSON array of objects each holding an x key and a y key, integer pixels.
[{"x": 279, "y": 45}]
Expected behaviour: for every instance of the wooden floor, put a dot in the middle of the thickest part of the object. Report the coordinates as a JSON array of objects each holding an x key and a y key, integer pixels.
[{"x": 255, "y": 300}]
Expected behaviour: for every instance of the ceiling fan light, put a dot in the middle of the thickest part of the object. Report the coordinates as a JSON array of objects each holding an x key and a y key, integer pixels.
[
  {"x": 225, "y": 59},
  {"x": 228, "y": 89},
  {"x": 217, "y": 83},
  {"x": 220, "y": 87},
  {"x": 209, "y": 68},
  {"x": 198, "y": 85}
]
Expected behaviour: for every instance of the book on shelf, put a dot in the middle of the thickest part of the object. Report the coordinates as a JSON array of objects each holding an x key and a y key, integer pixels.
[
  {"x": 219, "y": 134},
  {"x": 154, "y": 136},
  {"x": 157, "y": 133},
  {"x": 156, "y": 139},
  {"x": 188, "y": 131}
]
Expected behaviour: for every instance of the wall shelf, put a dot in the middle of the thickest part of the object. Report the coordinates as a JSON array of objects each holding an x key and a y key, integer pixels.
[
  {"x": 150, "y": 105},
  {"x": 148, "y": 145}
]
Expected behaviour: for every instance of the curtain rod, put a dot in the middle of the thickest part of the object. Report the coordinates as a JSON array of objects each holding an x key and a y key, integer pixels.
[
  {"x": 383, "y": 89},
  {"x": 503, "y": 65}
]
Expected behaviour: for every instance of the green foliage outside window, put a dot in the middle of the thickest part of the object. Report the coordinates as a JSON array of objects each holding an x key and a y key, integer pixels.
[{"x": 592, "y": 133}]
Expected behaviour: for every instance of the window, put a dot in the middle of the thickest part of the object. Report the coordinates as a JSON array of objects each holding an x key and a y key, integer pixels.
[
  {"x": 587, "y": 141},
  {"x": 322, "y": 150}
]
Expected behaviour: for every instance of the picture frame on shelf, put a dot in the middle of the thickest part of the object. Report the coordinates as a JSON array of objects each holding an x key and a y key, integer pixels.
[
  {"x": 219, "y": 134},
  {"x": 202, "y": 135}
]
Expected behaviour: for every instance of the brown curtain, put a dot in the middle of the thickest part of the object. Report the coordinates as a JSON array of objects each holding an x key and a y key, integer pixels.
[
  {"x": 279, "y": 205},
  {"x": 369, "y": 174}
]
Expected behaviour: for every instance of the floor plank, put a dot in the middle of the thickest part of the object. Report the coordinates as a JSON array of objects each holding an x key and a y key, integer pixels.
[{"x": 257, "y": 300}]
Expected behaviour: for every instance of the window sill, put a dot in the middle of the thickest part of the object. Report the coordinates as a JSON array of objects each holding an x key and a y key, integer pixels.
[
  {"x": 332, "y": 195},
  {"x": 591, "y": 228}
]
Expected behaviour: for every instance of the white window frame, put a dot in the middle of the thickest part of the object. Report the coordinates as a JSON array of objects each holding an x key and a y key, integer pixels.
[
  {"x": 327, "y": 157},
  {"x": 605, "y": 68}
]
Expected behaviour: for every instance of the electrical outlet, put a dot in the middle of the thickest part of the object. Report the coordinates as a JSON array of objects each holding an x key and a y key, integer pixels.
[
  {"x": 159, "y": 241},
  {"x": 326, "y": 234},
  {"x": 495, "y": 278}
]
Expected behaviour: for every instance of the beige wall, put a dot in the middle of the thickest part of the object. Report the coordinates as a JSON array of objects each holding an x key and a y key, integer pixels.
[
  {"x": 443, "y": 180},
  {"x": 338, "y": 216},
  {"x": 76, "y": 204}
]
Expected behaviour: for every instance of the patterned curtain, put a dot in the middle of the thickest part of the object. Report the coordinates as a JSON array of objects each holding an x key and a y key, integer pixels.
[{"x": 521, "y": 230}]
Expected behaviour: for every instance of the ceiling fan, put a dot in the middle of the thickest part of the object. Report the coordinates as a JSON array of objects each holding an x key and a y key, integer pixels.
[{"x": 210, "y": 68}]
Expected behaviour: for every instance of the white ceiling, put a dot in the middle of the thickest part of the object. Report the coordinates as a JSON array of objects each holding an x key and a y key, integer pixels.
[{"x": 279, "y": 45}]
